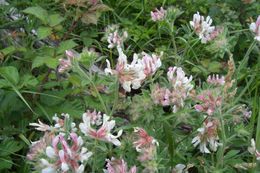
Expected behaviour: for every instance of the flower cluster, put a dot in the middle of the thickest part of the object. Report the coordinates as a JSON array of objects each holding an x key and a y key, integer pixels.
[
  {"x": 146, "y": 146},
  {"x": 114, "y": 37},
  {"x": 118, "y": 166},
  {"x": 179, "y": 91},
  {"x": 209, "y": 102},
  {"x": 61, "y": 125},
  {"x": 203, "y": 28},
  {"x": 61, "y": 156},
  {"x": 158, "y": 15},
  {"x": 66, "y": 64},
  {"x": 207, "y": 135},
  {"x": 53, "y": 152},
  {"x": 255, "y": 27},
  {"x": 216, "y": 80},
  {"x": 102, "y": 133},
  {"x": 132, "y": 75},
  {"x": 252, "y": 150}
]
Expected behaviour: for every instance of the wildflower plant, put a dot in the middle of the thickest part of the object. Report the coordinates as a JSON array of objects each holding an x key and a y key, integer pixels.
[{"x": 126, "y": 87}]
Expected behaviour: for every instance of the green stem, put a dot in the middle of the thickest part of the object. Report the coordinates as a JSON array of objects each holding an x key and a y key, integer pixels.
[{"x": 82, "y": 73}]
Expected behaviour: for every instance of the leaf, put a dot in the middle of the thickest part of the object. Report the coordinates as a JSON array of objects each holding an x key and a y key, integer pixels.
[
  {"x": 90, "y": 18},
  {"x": 8, "y": 147},
  {"x": 10, "y": 73},
  {"x": 4, "y": 83},
  {"x": 55, "y": 19},
  {"x": 5, "y": 163},
  {"x": 214, "y": 66},
  {"x": 66, "y": 45},
  {"x": 49, "y": 61},
  {"x": 43, "y": 32},
  {"x": 38, "y": 12}
]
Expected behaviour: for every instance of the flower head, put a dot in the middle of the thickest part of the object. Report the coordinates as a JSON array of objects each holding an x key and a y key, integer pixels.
[
  {"x": 158, "y": 15},
  {"x": 115, "y": 37},
  {"x": 255, "y": 27},
  {"x": 252, "y": 150},
  {"x": 151, "y": 63},
  {"x": 66, "y": 64},
  {"x": 118, "y": 166},
  {"x": 203, "y": 28},
  {"x": 216, "y": 80},
  {"x": 207, "y": 135},
  {"x": 102, "y": 133}
]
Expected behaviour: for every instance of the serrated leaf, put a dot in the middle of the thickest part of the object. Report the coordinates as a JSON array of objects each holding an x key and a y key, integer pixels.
[
  {"x": 10, "y": 73},
  {"x": 49, "y": 61},
  {"x": 38, "y": 12},
  {"x": 55, "y": 19},
  {"x": 44, "y": 32},
  {"x": 66, "y": 45}
]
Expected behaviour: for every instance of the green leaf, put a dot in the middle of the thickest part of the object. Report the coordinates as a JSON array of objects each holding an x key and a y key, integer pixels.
[
  {"x": 10, "y": 73},
  {"x": 43, "y": 32},
  {"x": 5, "y": 163},
  {"x": 65, "y": 45},
  {"x": 214, "y": 67},
  {"x": 38, "y": 12},
  {"x": 4, "y": 83},
  {"x": 8, "y": 147},
  {"x": 49, "y": 61},
  {"x": 55, "y": 19}
]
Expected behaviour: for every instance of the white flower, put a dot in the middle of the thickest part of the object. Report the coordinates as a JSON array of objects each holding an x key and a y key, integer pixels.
[
  {"x": 115, "y": 38},
  {"x": 207, "y": 135},
  {"x": 255, "y": 27},
  {"x": 158, "y": 15},
  {"x": 130, "y": 75},
  {"x": 151, "y": 63},
  {"x": 202, "y": 27},
  {"x": 41, "y": 126},
  {"x": 50, "y": 152},
  {"x": 103, "y": 133}
]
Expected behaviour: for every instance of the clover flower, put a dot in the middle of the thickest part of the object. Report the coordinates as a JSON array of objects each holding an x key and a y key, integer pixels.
[
  {"x": 115, "y": 38},
  {"x": 177, "y": 93},
  {"x": 118, "y": 166},
  {"x": 252, "y": 150},
  {"x": 95, "y": 117},
  {"x": 216, "y": 80},
  {"x": 103, "y": 133},
  {"x": 60, "y": 125},
  {"x": 209, "y": 102},
  {"x": 255, "y": 27},
  {"x": 57, "y": 154},
  {"x": 208, "y": 135},
  {"x": 62, "y": 157},
  {"x": 129, "y": 75},
  {"x": 158, "y": 15},
  {"x": 203, "y": 28},
  {"x": 151, "y": 63},
  {"x": 66, "y": 64}
]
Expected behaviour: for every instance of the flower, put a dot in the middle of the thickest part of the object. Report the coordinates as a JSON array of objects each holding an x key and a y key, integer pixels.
[
  {"x": 103, "y": 133},
  {"x": 66, "y": 64},
  {"x": 41, "y": 126},
  {"x": 209, "y": 102},
  {"x": 129, "y": 75},
  {"x": 158, "y": 15},
  {"x": 118, "y": 166},
  {"x": 203, "y": 28},
  {"x": 252, "y": 149},
  {"x": 255, "y": 27},
  {"x": 151, "y": 63},
  {"x": 216, "y": 80},
  {"x": 115, "y": 38},
  {"x": 179, "y": 91},
  {"x": 144, "y": 140},
  {"x": 95, "y": 117},
  {"x": 207, "y": 135},
  {"x": 67, "y": 157},
  {"x": 179, "y": 168}
]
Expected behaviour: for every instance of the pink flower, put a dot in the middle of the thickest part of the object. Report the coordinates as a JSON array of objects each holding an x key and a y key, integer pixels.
[
  {"x": 144, "y": 140},
  {"x": 151, "y": 63},
  {"x": 103, "y": 133},
  {"x": 207, "y": 136},
  {"x": 203, "y": 28},
  {"x": 41, "y": 126},
  {"x": 158, "y": 15},
  {"x": 255, "y": 27},
  {"x": 216, "y": 80},
  {"x": 95, "y": 117},
  {"x": 118, "y": 166},
  {"x": 209, "y": 102},
  {"x": 115, "y": 38},
  {"x": 66, "y": 64},
  {"x": 129, "y": 75}
]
